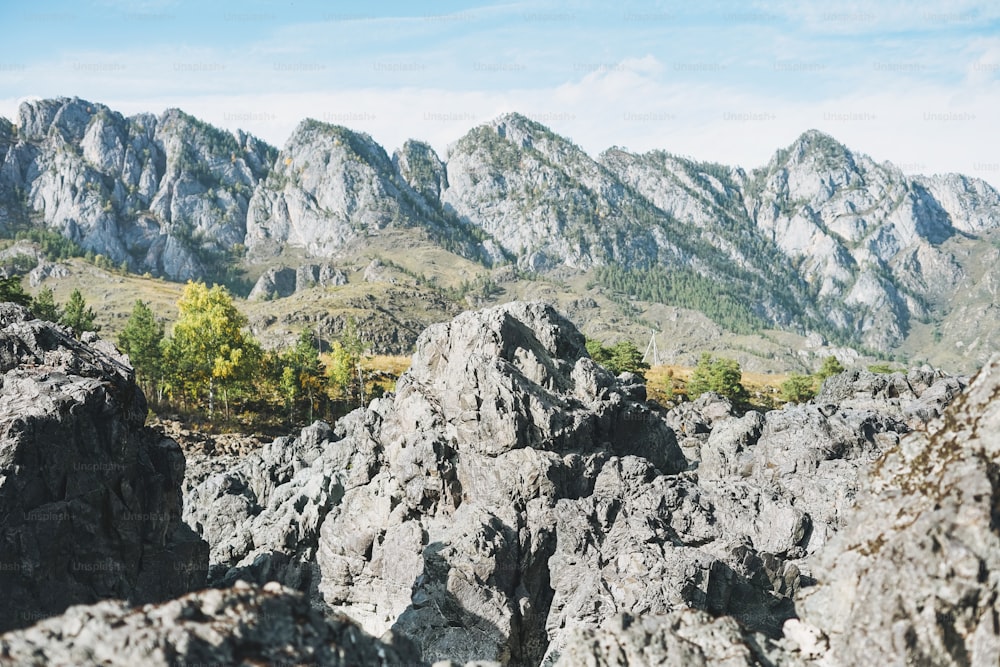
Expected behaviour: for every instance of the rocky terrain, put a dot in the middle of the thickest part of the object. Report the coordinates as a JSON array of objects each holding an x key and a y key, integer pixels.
[
  {"x": 242, "y": 625},
  {"x": 824, "y": 240},
  {"x": 513, "y": 503}
]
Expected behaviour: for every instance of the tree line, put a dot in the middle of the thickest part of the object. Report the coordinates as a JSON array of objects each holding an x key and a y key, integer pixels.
[
  {"x": 211, "y": 367},
  {"x": 726, "y": 305}
]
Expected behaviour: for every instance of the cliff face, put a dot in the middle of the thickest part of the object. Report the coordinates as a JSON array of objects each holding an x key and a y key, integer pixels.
[
  {"x": 90, "y": 500},
  {"x": 332, "y": 187},
  {"x": 167, "y": 195}
]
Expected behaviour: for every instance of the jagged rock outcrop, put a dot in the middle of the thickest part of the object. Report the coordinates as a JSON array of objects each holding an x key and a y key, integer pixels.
[
  {"x": 279, "y": 282},
  {"x": 686, "y": 638},
  {"x": 90, "y": 500},
  {"x": 514, "y": 502},
  {"x": 512, "y": 495},
  {"x": 914, "y": 576},
  {"x": 914, "y": 398},
  {"x": 447, "y": 487},
  {"x": 274, "y": 283},
  {"x": 733, "y": 535},
  {"x": 331, "y": 187},
  {"x": 422, "y": 168},
  {"x": 377, "y": 272},
  {"x": 163, "y": 194},
  {"x": 242, "y": 625},
  {"x": 318, "y": 275},
  {"x": 261, "y": 513},
  {"x": 865, "y": 234},
  {"x": 448, "y": 535}
]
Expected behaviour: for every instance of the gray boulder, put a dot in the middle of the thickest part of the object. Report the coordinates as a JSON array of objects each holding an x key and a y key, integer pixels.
[
  {"x": 445, "y": 536},
  {"x": 318, "y": 275},
  {"x": 914, "y": 577},
  {"x": 430, "y": 513},
  {"x": 687, "y": 638},
  {"x": 242, "y": 625},
  {"x": 276, "y": 282},
  {"x": 645, "y": 543},
  {"x": 90, "y": 500},
  {"x": 280, "y": 282},
  {"x": 914, "y": 398},
  {"x": 261, "y": 513},
  {"x": 733, "y": 535}
]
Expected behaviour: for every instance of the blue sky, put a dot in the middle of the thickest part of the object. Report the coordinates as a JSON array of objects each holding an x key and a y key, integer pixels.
[{"x": 914, "y": 82}]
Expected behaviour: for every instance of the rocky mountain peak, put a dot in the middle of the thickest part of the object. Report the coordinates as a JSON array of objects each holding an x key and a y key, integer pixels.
[
  {"x": 862, "y": 250},
  {"x": 329, "y": 187},
  {"x": 422, "y": 169},
  {"x": 37, "y": 119},
  {"x": 166, "y": 195},
  {"x": 817, "y": 164},
  {"x": 517, "y": 129},
  {"x": 817, "y": 143}
]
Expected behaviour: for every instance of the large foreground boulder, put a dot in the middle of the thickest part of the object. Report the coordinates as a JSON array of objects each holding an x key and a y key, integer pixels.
[
  {"x": 445, "y": 535},
  {"x": 430, "y": 511},
  {"x": 242, "y": 625},
  {"x": 90, "y": 500}
]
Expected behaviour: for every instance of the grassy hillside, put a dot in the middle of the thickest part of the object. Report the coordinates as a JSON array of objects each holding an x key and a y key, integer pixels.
[{"x": 419, "y": 284}]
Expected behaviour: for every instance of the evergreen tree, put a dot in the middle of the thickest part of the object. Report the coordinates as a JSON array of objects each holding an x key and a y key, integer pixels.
[
  {"x": 622, "y": 357},
  {"x": 626, "y": 358},
  {"x": 831, "y": 366},
  {"x": 721, "y": 375},
  {"x": 11, "y": 290},
  {"x": 78, "y": 316},
  {"x": 798, "y": 388},
  {"x": 44, "y": 307},
  {"x": 598, "y": 352},
  {"x": 142, "y": 340}
]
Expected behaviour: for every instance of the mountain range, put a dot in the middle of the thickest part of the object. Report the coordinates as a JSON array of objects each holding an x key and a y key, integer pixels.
[{"x": 820, "y": 241}]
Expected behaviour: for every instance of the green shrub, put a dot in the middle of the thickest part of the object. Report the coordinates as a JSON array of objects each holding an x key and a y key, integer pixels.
[
  {"x": 798, "y": 388},
  {"x": 622, "y": 357},
  {"x": 830, "y": 367},
  {"x": 718, "y": 374}
]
